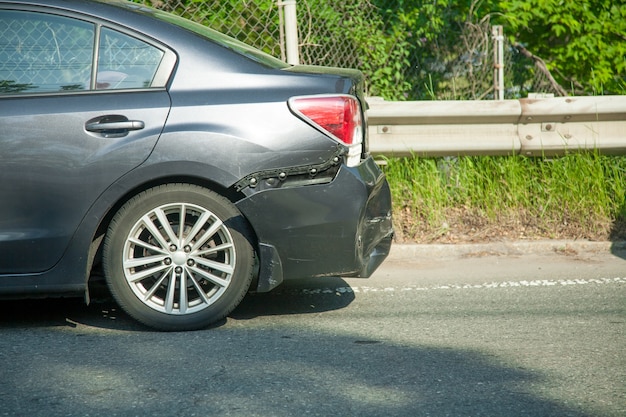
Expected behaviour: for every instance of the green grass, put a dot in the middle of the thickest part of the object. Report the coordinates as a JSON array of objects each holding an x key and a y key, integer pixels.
[{"x": 580, "y": 195}]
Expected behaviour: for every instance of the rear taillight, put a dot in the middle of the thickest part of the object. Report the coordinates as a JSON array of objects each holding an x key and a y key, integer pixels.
[{"x": 339, "y": 116}]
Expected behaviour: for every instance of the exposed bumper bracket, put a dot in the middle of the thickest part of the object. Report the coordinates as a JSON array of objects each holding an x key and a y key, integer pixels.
[{"x": 275, "y": 177}]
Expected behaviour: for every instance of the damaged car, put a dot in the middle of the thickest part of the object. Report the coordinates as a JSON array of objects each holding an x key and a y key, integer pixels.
[{"x": 184, "y": 166}]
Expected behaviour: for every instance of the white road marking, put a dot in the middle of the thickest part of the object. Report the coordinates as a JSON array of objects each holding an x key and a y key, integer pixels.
[{"x": 486, "y": 285}]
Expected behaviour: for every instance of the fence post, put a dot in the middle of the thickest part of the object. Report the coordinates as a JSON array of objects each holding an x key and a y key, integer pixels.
[
  {"x": 498, "y": 62},
  {"x": 291, "y": 31}
]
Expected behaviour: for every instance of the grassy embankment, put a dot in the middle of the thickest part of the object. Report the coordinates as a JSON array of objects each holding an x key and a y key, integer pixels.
[{"x": 476, "y": 199}]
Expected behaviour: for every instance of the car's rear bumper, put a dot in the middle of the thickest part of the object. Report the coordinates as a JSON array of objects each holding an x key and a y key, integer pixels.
[{"x": 342, "y": 228}]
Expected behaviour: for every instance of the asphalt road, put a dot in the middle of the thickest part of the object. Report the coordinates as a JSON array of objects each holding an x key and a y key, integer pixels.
[{"x": 477, "y": 333}]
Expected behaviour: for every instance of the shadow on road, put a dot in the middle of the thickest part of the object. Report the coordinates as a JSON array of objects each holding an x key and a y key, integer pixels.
[
  {"x": 64, "y": 312},
  {"x": 104, "y": 313},
  {"x": 71, "y": 359},
  {"x": 279, "y": 371},
  {"x": 298, "y": 297}
]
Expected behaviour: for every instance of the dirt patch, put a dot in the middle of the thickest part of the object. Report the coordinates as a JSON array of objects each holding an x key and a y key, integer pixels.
[{"x": 463, "y": 226}]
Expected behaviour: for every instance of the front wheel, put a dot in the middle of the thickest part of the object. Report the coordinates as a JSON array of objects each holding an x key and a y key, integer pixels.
[{"x": 178, "y": 257}]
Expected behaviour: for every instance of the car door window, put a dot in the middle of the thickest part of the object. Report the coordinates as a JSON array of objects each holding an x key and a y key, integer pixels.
[{"x": 42, "y": 53}]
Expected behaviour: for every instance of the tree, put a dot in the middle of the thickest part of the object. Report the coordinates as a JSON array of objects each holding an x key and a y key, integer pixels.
[{"x": 583, "y": 43}]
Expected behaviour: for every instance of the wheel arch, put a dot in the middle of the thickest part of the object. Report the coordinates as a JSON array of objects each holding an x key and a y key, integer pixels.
[{"x": 141, "y": 180}]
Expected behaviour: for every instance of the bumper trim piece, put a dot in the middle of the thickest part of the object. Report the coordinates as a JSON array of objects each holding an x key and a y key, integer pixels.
[{"x": 271, "y": 268}]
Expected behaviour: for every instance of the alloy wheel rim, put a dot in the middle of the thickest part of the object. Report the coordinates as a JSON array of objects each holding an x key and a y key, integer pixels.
[{"x": 177, "y": 269}]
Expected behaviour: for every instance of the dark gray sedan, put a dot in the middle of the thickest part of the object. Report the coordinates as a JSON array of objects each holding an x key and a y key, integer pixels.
[{"x": 185, "y": 166}]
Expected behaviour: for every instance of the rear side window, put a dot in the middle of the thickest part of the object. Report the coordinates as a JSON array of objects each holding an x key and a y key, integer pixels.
[
  {"x": 125, "y": 62},
  {"x": 42, "y": 53}
]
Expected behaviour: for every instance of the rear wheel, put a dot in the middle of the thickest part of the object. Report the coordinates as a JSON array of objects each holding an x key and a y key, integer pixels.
[{"x": 178, "y": 257}]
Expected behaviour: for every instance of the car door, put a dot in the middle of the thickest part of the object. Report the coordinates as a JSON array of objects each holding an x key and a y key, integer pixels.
[{"x": 81, "y": 104}]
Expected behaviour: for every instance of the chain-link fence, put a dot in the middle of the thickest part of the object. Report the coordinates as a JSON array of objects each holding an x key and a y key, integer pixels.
[
  {"x": 255, "y": 22},
  {"x": 370, "y": 35}
]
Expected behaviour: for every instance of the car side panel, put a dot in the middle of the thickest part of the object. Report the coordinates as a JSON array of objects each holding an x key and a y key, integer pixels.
[{"x": 53, "y": 169}]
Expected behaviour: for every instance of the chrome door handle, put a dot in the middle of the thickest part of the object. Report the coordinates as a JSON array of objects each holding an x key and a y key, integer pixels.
[
  {"x": 113, "y": 126},
  {"x": 104, "y": 126}
]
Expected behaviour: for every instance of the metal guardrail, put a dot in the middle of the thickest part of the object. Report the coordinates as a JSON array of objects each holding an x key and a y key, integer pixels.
[{"x": 533, "y": 127}]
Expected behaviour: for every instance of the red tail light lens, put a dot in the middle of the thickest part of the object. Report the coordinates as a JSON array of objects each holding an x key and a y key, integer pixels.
[{"x": 338, "y": 115}]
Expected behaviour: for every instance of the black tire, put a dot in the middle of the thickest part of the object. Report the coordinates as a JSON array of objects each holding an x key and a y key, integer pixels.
[{"x": 147, "y": 256}]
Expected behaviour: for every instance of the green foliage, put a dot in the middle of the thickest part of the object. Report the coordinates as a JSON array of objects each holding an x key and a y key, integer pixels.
[
  {"x": 445, "y": 61},
  {"x": 438, "y": 49},
  {"x": 384, "y": 57},
  {"x": 356, "y": 30},
  {"x": 545, "y": 193},
  {"x": 583, "y": 43},
  {"x": 250, "y": 21}
]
